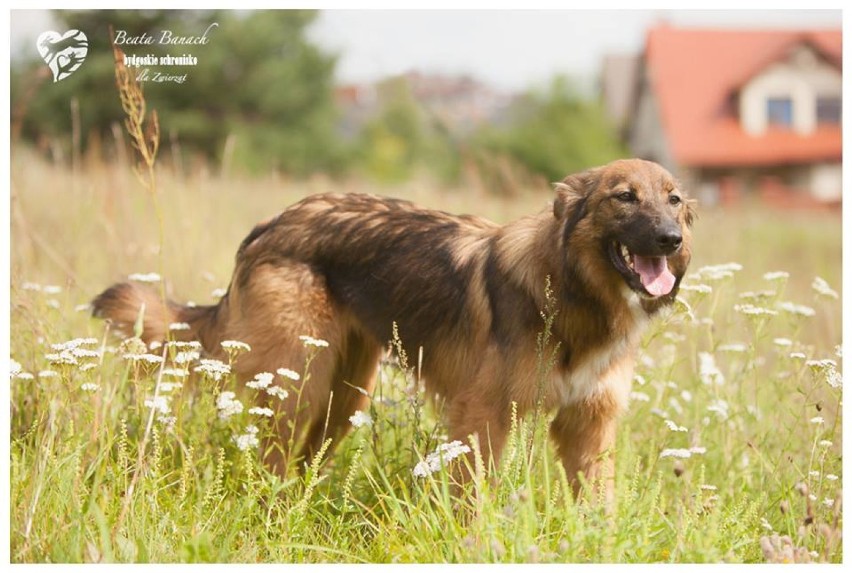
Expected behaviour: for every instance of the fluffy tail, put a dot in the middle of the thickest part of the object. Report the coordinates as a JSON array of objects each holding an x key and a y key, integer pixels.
[{"x": 122, "y": 305}]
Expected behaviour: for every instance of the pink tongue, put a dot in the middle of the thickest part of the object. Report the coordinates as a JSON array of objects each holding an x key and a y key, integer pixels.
[{"x": 655, "y": 274}]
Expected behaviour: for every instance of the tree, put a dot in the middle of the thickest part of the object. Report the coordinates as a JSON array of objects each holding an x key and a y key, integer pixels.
[
  {"x": 555, "y": 132},
  {"x": 257, "y": 80}
]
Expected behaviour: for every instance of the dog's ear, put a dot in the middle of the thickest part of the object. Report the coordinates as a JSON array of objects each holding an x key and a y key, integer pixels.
[
  {"x": 690, "y": 213},
  {"x": 571, "y": 193}
]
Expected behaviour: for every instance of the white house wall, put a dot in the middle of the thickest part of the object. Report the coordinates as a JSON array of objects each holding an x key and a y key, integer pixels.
[{"x": 803, "y": 78}]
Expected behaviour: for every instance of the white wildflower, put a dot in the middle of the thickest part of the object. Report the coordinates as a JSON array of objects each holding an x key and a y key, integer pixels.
[
  {"x": 144, "y": 277},
  {"x": 734, "y": 347},
  {"x": 813, "y": 473},
  {"x": 184, "y": 344},
  {"x": 261, "y": 380},
  {"x": 185, "y": 357},
  {"x": 776, "y": 276},
  {"x": 62, "y": 358},
  {"x": 708, "y": 487},
  {"x": 167, "y": 421},
  {"x": 25, "y": 376},
  {"x": 90, "y": 387},
  {"x": 718, "y": 272},
  {"x": 218, "y": 292},
  {"x": 158, "y": 403},
  {"x": 83, "y": 307},
  {"x": 442, "y": 455},
  {"x": 821, "y": 287},
  {"x": 765, "y": 524},
  {"x": 834, "y": 378},
  {"x": 149, "y": 358},
  {"x": 247, "y": 440},
  {"x": 674, "y": 427},
  {"x": 235, "y": 345},
  {"x": 228, "y": 405},
  {"x": 828, "y": 502},
  {"x": 640, "y": 397},
  {"x": 698, "y": 450},
  {"x": 686, "y": 395},
  {"x": 783, "y": 342},
  {"x": 267, "y": 412},
  {"x": 311, "y": 341},
  {"x": 817, "y": 420},
  {"x": 360, "y": 418},
  {"x": 720, "y": 407},
  {"x": 277, "y": 391},
  {"x": 213, "y": 368},
  {"x": 15, "y": 369},
  {"x": 87, "y": 367},
  {"x": 53, "y": 303},
  {"x": 826, "y": 443},
  {"x": 176, "y": 372},
  {"x": 75, "y": 343},
  {"x": 699, "y": 288},
  {"x": 287, "y": 373},
  {"x": 179, "y": 326},
  {"x": 675, "y": 453},
  {"x": 48, "y": 374},
  {"x": 824, "y": 364},
  {"x": 796, "y": 309},
  {"x": 85, "y": 353},
  {"x": 757, "y": 295},
  {"x": 31, "y": 286},
  {"x": 831, "y": 477},
  {"x": 798, "y": 355},
  {"x": 751, "y": 310},
  {"x": 167, "y": 387},
  {"x": 708, "y": 371}
]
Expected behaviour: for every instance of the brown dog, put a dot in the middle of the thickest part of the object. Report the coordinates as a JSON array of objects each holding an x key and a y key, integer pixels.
[{"x": 344, "y": 268}]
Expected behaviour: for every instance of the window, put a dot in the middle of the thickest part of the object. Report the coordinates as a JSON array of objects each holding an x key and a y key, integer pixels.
[
  {"x": 779, "y": 111},
  {"x": 828, "y": 110}
]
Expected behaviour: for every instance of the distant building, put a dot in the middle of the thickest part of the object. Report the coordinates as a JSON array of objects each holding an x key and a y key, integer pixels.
[
  {"x": 460, "y": 103},
  {"x": 733, "y": 111}
]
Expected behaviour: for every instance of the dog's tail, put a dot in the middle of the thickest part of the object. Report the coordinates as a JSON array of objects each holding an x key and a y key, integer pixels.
[{"x": 127, "y": 306}]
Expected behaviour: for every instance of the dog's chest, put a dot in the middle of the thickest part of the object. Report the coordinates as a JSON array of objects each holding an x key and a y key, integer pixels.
[{"x": 604, "y": 370}]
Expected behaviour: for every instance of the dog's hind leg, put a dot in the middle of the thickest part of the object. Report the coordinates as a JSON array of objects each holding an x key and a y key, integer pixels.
[
  {"x": 271, "y": 310},
  {"x": 352, "y": 381}
]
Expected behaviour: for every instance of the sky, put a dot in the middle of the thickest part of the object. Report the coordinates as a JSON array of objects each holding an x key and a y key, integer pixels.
[
  {"x": 515, "y": 49},
  {"x": 509, "y": 49}
]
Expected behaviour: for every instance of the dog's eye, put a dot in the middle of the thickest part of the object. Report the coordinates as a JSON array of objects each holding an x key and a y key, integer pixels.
[
  {"x": 675, "y": 200},
  {"x": 628, "y": 196}
]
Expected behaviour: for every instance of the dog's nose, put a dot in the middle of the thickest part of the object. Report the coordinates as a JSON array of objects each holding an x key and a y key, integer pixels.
[{"x": 669, "y": 240}]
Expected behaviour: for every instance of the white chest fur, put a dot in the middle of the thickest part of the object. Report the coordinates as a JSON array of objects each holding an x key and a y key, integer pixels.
[{"x": 606, "y": 370}]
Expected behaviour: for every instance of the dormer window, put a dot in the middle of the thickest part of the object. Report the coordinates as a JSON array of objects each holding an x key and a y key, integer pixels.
[
  {"x": 828, "y": 110},
  {"x": 779, "y": 111}
]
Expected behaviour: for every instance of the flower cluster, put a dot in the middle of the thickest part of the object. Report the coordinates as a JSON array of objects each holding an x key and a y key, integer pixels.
[{"x": 442, "y": 455}]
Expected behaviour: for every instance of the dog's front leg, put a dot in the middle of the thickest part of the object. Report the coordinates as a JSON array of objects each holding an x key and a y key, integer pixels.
[{"x": 584, "y": 433}]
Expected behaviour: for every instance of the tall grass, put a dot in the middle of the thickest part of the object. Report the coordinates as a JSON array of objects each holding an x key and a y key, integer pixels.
[{"x": 730, "y": 450}]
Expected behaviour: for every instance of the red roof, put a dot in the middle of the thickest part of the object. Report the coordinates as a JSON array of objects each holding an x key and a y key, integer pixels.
[{"x": 695, "y": 72}]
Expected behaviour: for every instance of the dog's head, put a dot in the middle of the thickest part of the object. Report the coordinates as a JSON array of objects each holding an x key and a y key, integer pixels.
[{"x": 629, "y": 218}]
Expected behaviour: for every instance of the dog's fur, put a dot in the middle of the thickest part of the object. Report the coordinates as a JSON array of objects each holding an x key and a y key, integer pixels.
[{"x": 470, "y": 293}]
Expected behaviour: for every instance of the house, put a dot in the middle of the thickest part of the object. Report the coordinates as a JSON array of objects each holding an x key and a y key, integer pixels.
[
  {"x": 734, "y": 112},
  {"x": 459, "y": 103}
]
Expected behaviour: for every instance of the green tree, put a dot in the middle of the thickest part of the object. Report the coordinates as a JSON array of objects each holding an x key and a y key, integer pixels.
[
  {"x": 555, "y": 132},
  {"x": 258, "y": 84}
]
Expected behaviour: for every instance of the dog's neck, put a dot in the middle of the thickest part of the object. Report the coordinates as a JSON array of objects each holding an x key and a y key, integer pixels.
[{"x": 605, "y": 311}]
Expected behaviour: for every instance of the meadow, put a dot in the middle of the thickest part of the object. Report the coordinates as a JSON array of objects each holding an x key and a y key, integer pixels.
[{"x": 730, "y": 451}]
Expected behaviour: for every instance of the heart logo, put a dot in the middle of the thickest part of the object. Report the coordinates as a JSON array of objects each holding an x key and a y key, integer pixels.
[{"x": 63, "y": 53}]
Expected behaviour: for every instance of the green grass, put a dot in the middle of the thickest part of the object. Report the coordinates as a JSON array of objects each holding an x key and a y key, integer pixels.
[{"x": 196, "y": 497}]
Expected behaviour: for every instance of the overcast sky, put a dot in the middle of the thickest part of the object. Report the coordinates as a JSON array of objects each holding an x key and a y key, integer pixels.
[
  {"x": 511, "y": 49},
  {"x": 515, "y": 48}
]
